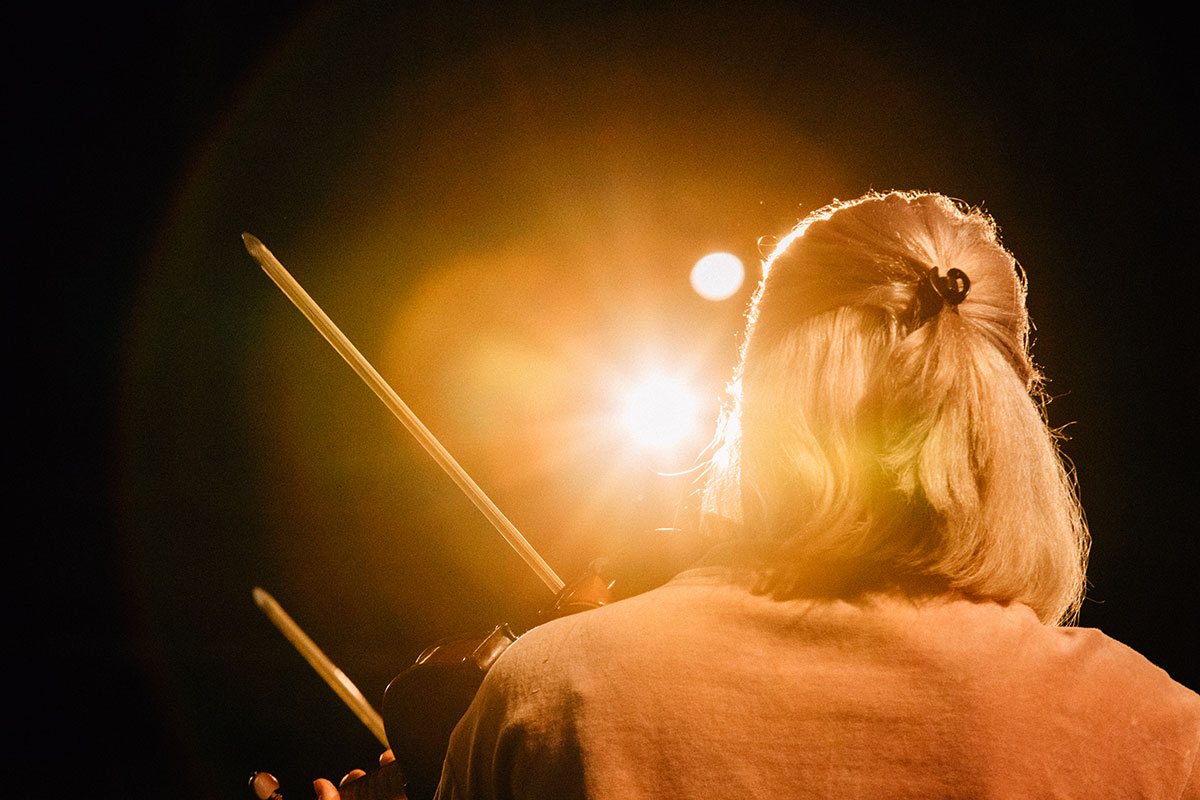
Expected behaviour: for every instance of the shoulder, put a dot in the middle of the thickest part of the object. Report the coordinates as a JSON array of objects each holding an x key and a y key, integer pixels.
[
  {"x": 1118, "y": 706},
  {"x": 690, "y": 595},
  {"x": 1117, "y": 676},
  {"x": 1089, "y": 655},
  {"x": 1145, "y": 715},
  {"x": 1087, "y": 659}
]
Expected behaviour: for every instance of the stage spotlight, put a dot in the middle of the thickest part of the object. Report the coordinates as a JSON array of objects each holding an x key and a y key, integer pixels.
[
  {"x": 660, "y": 412},
  {"x": 718, "y": 276}
]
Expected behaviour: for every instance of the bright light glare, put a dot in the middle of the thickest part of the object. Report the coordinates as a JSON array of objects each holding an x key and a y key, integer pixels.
[
  {"x": 718, "y": 275},
  {"x": 660, "y": 412}
]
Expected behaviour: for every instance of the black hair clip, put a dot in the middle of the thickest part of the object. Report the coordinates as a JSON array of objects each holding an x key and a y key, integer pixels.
[{"x": 934, "y": 291}]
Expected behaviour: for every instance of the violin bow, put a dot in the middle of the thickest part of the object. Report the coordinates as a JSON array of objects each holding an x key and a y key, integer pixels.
[
  {"x": 300, "y": 298},
  {"x": 337, "y": 680}
]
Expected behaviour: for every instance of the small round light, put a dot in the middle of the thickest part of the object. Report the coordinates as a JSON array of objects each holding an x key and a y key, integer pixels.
[{"x": 718, "y": 276}]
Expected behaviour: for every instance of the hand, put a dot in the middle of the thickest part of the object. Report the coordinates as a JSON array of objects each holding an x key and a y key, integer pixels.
[{"x": 325, "y": 790}]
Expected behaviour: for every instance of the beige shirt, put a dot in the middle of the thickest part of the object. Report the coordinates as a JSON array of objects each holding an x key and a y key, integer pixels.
[{"x": 703, "y": 689}]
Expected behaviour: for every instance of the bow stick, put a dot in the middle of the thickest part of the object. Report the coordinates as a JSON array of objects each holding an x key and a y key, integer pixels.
[
  {"x": 350, "y": 694},
  {"x": 384, "y": 392}
]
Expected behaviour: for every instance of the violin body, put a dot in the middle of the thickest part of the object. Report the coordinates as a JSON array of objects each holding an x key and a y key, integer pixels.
[
  {"x": 420, "y": 708},
  {"x": 424, "y": 703}
]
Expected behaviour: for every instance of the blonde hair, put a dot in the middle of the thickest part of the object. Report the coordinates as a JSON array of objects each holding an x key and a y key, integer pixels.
[{"x": 864, "y": 437}]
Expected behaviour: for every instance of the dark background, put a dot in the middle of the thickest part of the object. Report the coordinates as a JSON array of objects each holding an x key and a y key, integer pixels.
[{"x": 463, "y": 187}]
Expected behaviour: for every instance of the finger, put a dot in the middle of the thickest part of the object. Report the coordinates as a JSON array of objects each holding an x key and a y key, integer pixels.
[
  {"x": 386, "y": 757},
  {"x": 352, "y": 775},
  {"x": 325, "y": 790}
]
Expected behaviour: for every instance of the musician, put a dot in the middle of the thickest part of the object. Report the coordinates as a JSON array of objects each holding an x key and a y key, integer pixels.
[{"x": 898, "y": 555}]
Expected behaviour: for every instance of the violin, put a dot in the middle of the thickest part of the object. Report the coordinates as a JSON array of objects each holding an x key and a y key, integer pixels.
[{"x": 422, "y": 704}]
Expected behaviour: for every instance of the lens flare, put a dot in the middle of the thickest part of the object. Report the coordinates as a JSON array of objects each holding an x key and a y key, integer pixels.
[
  {"x": 660, "y": 412},
  {"x": 718, "y": 276}
]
